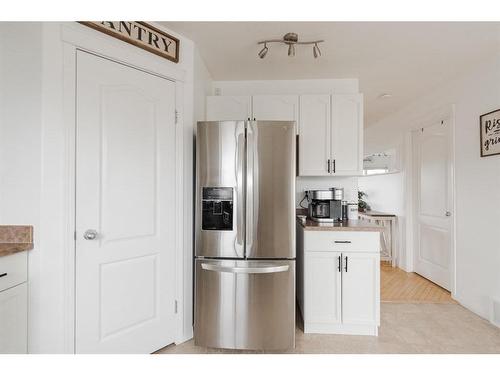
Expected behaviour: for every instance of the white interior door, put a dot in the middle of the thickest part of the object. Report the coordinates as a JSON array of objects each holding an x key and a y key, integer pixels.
[
  {"x": 433, "y": 202},
  {"x": 125, "y": 189}
]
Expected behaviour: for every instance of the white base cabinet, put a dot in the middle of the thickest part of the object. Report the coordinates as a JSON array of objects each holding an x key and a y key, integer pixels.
[
  {"x": 13, "y": 320},
  {"x": 339, "y": 288},
  {"x": 14, "y": 303}
]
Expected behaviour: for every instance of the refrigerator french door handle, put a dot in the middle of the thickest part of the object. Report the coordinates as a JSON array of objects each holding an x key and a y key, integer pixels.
[
  {"x": 240, "y": 183},
  {"x": 247, "y": 270},
  {"x": 251, "y": 183}
]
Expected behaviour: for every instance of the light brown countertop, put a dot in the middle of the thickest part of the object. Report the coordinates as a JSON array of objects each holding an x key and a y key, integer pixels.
[
  {"x": 353, "y": 226},
  {"x": 15, "y": 238},
  {"x": 376, "y": 213}
]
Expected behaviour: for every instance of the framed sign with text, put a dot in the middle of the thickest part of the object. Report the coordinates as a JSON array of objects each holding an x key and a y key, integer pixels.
[
  {"x": 489, "y": 125},
  {"x": 141, "y": 35}
]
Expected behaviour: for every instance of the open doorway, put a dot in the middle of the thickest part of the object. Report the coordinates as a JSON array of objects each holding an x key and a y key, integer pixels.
[{"x": 413, "y": 200}]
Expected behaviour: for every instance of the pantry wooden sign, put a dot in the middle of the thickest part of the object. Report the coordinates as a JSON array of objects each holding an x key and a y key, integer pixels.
[
  {"x": 489, "y": 124},
  {"x": 141, "y": 35}
]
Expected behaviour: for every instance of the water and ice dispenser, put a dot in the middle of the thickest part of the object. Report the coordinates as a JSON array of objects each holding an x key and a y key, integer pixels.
[{"x": 217, "y": 212}]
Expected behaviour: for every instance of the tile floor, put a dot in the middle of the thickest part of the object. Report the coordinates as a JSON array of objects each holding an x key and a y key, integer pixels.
[{"x": 405, "y": 328}]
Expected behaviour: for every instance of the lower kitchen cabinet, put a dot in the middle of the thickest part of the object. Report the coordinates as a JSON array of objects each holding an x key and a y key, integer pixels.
[
  {"x": 322, "y": 292},
  {"x": 13, "y": 320},
  {"x": 14, "y": 303},
  {"x": 360, "y": 288},
  {"x": 340, "y": 290}
]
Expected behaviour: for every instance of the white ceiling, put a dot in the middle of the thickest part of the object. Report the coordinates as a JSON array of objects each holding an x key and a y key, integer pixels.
[{"x": 402, "y": 59}]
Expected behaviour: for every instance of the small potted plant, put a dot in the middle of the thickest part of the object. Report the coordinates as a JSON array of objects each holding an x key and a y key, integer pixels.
[{"x": 362, "y": 205}]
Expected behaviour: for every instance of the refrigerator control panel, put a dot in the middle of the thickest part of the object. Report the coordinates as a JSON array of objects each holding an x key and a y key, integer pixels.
[{"x": 217, "y": 208}]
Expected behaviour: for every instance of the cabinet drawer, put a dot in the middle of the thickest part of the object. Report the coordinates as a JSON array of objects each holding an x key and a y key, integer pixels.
[
  {"x": 341, "y": 241},
  {"x": 13, "y": 269}
]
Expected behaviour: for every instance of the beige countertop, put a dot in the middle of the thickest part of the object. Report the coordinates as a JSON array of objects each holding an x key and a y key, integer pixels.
[
  {"x": 15, "y": 238},
  {"x": 377, "y": 214},
  {"x": 352, "y": 225}
]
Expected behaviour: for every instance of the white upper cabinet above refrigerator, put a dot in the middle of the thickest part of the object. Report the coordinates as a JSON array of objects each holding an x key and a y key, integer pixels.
[
  {"x": 275, "y": 107},
  {"x": 228, "y": 108}
]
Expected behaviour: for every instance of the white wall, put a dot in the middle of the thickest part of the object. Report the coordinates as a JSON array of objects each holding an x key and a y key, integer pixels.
[
  {"x": 477, "y": 180},
  {"x": 20, "y": 111},
  {"x": 34, "y": 162},
  {"x": 302, "y": 86},
  {"x": 385, "y": 193},
  {"x": 21, "y": 135}
]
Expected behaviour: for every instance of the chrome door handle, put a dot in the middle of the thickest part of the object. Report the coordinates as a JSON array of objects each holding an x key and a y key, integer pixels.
[
  {"x": 229, "y": 269},
  {"x": 329, "y": 169},
  {"x": 447, "y": 213},
  {"x": 345, "y": 268},
  {"x": 90, "y": 234}
]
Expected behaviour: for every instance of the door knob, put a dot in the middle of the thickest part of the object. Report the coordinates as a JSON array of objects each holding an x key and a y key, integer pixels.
[
  {"x": 448, "y": 213},
  {"x": 90, "y": 234}
]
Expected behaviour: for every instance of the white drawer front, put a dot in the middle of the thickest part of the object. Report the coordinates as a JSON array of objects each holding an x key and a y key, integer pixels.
[
  {"x": 342, "y": 241},
  {"x": 13, "y": 269}
]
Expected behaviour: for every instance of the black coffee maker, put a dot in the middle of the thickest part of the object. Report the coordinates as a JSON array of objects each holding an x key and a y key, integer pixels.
[{"x": 325, "y": 205}]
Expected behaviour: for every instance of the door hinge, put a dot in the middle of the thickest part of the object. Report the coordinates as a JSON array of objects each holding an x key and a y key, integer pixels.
[
  {"x": 175, "y": 306},
  {"x": 176, "y": 117}
]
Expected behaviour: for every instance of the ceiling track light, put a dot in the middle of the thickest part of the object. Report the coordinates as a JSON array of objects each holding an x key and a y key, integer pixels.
[{"x": 291, "y": 39}]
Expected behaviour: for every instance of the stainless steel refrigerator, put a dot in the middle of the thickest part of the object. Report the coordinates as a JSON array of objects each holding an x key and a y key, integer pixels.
[{"x": 245, "y": 235}]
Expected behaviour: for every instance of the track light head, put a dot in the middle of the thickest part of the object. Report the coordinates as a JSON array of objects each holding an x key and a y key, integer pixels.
[
  {"x": 263, "y": 51},
  {"x": 316, "y": 51}
]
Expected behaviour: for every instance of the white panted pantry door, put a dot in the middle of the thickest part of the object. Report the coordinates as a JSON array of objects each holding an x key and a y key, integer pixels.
[
  {"x": 125, "y": 225},
  {"x": 433, "y": 203}
]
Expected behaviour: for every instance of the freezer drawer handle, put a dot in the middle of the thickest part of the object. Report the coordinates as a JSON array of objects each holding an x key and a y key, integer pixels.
[{"x": 267, "y": 269}]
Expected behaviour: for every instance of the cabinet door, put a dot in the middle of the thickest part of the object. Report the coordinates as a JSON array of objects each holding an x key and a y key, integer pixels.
[
  {"x": 221, "y": 108},
  {"x": 360, "y": 288},
  {"x": 322, "y": 287},
  {"x": 14, "y": 320},
  {"x": 314, "y": 135},
  {"x": 276, "y": 107},
  {"x": 347, "y": 134}
]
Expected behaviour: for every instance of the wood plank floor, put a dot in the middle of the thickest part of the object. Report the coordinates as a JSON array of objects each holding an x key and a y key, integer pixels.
[{"x": 397, "y": 285}]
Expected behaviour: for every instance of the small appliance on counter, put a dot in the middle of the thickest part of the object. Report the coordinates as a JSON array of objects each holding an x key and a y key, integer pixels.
[{"x": 325, "y": 205}]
